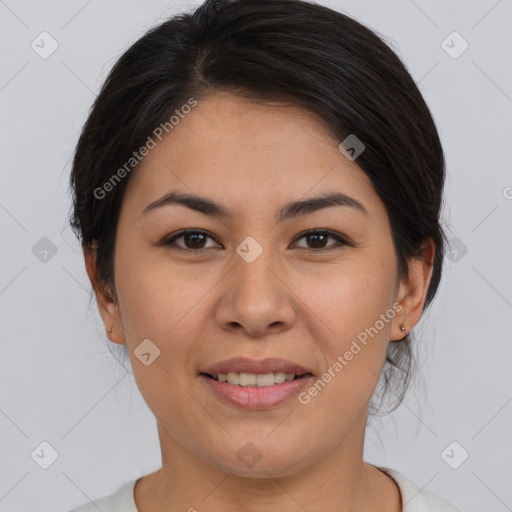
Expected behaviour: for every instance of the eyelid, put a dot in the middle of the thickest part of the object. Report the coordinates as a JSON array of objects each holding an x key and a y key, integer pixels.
[
  {"x": 171, "y": 240},
  {"x": 341, "y": 240}
]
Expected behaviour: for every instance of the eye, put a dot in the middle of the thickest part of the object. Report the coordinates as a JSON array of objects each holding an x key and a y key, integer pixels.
[
  {"x": 194, "y": 240},
  {"x": 319, "y": 237}
]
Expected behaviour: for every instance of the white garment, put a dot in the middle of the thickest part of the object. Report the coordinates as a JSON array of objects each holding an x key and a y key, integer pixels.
[{"x": 414, "y": 499}]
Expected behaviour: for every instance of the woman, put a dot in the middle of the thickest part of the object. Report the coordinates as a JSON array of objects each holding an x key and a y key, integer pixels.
[{"x": 257, "y": 191}]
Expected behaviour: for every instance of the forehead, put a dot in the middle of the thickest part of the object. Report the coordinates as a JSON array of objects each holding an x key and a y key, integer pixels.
[
  {"x": 231, "y": 125},
  {"x": 246, "y": 153}
]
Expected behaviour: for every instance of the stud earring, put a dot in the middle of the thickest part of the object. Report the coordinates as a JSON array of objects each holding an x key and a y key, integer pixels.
[
  {"x": 110, "y": 329},
  {"x": 403, "y": 329}
]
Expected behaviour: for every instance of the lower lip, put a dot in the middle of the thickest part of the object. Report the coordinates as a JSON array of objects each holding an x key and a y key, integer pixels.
[{"x": 256, "y": 398}]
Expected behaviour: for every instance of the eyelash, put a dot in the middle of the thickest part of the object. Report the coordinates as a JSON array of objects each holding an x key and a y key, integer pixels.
[{"x": 170, "y": 242}]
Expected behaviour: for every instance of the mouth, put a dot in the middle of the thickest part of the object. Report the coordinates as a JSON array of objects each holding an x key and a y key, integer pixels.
[
  {"x": 255, "y": 384},
  {"x": 255, "y": 392},
  {"x": 254, "y": 380}
]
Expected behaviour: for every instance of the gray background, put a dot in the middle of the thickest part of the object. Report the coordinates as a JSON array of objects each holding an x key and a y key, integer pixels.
[{"x": 61, "y": 385}]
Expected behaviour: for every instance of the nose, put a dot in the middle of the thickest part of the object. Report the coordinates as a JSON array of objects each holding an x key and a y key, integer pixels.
[{"x": 256, "y": 298}]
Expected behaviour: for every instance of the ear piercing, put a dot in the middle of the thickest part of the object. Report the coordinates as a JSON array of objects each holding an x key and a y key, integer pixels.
[{"x": 110, "y": 329}]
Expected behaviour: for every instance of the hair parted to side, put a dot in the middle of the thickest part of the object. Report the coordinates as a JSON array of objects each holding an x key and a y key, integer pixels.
[{"x": 294, "y": 52}]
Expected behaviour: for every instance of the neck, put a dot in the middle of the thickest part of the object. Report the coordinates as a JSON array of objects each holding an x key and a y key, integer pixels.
[{"x": 340, "y": 481}]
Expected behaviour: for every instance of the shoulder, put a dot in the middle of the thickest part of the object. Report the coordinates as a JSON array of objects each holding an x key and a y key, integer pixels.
[
  {"x": 122, "y": 499},
  {"x": 415, "y": 499}
]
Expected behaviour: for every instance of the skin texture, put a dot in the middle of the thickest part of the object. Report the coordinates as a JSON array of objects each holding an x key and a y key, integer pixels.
[{"x": 306, "y": 307}]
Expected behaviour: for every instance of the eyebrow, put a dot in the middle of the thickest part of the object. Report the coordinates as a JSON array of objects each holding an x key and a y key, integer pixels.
[{"x": 290, "y": 210}]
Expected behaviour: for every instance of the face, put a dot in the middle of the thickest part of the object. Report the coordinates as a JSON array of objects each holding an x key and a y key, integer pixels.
[{"x": 256, "y": 285}]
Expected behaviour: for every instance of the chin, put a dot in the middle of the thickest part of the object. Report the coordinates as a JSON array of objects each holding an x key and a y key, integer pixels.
[{"x": 260, "y": 458}]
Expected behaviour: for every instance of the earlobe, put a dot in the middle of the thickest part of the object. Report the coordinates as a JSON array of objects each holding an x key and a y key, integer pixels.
[
  {"x": 412, "y": 294},
  {"x": 399, "y": 326},
  {"x": 108, "y": 308}
]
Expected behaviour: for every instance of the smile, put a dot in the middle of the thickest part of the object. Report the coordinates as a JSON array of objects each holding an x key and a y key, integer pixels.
[{"x": 255, "y": 391}]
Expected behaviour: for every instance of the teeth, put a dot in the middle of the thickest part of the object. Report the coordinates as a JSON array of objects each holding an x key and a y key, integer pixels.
[{"x": 252, "y": 380}]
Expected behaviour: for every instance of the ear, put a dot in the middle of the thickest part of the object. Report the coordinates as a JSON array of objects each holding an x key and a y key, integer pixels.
[
  {"x": 108, "y": 307},
  {"x": 412, "y": 293}
]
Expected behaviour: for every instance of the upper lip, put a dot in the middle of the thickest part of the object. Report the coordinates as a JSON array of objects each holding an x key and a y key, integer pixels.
[{"x": 244, "y": 365}]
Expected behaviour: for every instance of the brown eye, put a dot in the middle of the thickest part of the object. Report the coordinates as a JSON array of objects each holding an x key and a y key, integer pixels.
[
  {"x": 316, "y": 240},
  {"x": 193, "y": 240}
]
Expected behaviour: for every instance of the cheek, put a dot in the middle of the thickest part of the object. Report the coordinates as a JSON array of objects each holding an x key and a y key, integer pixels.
[
  {"x": 158, "y": 299},
  {"x": 345, "y": 315},
  {"x": 158, "y": 303},
  {"x": 347, "y": 298}
]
